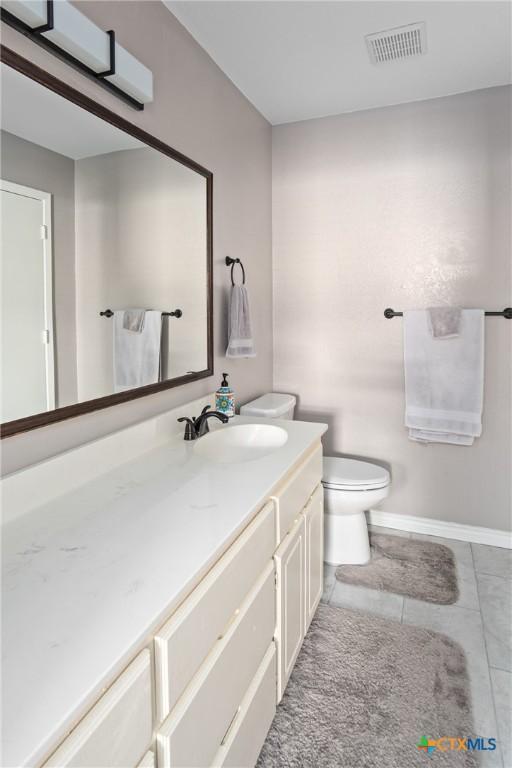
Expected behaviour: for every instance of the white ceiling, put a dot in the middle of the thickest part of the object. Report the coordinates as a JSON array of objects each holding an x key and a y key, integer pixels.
[
  {"x": 36, "y": 114},
  {"x": 300, "y": 60}
]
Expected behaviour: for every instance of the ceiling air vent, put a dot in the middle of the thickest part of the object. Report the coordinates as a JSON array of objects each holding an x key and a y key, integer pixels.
[{"x": 397, "y": 43}]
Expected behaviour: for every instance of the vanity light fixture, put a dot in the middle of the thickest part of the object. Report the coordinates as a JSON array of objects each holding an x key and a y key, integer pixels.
[{"x": 64, "y": 30}]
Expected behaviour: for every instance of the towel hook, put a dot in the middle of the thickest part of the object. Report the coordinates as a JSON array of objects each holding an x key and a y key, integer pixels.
[{"x": 231, "y": 263}]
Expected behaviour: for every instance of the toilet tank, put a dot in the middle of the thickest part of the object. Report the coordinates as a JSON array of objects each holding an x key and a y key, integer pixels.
[{"x": 273, "y": 405}]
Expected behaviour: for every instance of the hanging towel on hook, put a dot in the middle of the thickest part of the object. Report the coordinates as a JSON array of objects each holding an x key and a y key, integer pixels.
[
  {"x": 240, "y": 343},
  {"x": 444, "y": 379}
]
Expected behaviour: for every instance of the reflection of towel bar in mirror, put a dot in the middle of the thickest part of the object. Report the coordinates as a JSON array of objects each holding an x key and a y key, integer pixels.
[
  {"x": 176, "y": 313},
  {"x": 506, "y": 313}
]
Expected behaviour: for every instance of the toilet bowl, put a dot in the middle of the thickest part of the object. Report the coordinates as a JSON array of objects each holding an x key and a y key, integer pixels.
[{"x": 351, "y": 487}]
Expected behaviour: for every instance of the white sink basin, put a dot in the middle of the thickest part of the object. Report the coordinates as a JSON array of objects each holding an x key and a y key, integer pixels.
[{"x": 241, "y": 442}]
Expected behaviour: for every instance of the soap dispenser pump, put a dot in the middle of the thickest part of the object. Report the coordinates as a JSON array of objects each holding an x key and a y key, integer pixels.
[{"x": 225, "y": 398}]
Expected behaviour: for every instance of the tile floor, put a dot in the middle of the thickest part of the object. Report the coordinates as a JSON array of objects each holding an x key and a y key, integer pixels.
[{"x": 480, "y": 621}]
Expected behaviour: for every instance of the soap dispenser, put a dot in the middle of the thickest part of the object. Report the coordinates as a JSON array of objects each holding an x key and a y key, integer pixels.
[{"x": 225, "y": 398}]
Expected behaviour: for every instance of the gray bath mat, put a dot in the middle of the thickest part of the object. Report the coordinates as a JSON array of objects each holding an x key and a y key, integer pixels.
[
  {"x": 363, "y": 694},
  {"x": 420, "y": 569}
]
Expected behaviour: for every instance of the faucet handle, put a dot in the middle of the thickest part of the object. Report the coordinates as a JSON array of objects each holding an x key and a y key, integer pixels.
[
  {"x": 190, "y": 429},
  {"x": 203, "y": 423}
]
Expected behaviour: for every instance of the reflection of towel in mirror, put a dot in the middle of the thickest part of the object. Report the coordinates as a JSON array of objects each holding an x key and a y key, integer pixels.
[
  {"x": 133, "y": 320},
  {"x": 240, "y": 342},
  {"x": 165, "y": 353},
  {"x": 137, "y": 355}
]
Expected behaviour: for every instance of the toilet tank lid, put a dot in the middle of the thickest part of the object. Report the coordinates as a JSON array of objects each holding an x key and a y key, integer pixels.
[
  {"x": 338, "y": 471},
  {"x": 272, "y": 405}
]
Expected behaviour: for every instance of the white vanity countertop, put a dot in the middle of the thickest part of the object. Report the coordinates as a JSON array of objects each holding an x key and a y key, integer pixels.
[{"x": 88, "y": 576}]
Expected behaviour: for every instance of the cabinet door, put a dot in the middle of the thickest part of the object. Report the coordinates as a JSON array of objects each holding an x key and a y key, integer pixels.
[
  {"x": 290, "y": 570},
  {"x": 314, "y": 516}
]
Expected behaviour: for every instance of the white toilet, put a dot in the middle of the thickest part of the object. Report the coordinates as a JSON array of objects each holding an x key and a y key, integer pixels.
[{"x": 351, "y": 487}]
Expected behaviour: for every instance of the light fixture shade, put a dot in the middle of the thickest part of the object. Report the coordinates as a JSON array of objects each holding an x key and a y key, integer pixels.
[
  {"x": 79, "y": 36},
  {"x": 31, "y": 12},
  {"x": 96, "y": 52},
  {"x": 132, "y": 76}
]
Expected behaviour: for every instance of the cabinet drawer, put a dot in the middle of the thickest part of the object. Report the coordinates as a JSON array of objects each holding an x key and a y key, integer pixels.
[
  {"x": 183, "y": 643},
  {"x": 193, "y": 732},
  {"x": 292, "y": 497},
  {"x": 243, "y": 743},
  {"x": 118, "y": 729}
]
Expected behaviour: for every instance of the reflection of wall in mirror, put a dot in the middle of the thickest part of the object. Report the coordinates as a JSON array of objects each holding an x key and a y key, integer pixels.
[
  {"x": 140, "y": 242},
  {"x": 31, "y": 165}
]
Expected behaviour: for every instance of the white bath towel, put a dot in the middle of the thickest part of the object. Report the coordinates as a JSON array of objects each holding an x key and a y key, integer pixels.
[
  {"x": 240, "y": 343},
  {"x": 137, "y": 354},
  {"x": 444, "y": 380}
]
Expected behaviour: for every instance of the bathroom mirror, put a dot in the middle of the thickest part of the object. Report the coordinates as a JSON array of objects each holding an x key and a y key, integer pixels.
[{"x": 106, "y": 255}]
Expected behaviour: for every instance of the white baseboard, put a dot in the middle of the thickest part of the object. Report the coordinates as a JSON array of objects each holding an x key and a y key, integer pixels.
[{"x": 474, "y": 533}]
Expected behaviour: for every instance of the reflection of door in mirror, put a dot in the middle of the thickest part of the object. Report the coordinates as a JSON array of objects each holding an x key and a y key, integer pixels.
[{"x": 27, "y": 303}]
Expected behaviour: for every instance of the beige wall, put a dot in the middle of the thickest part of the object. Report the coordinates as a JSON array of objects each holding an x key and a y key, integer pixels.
[
  {"x": 198, "y": 111},
  {"x": 406, "y": 207},
  {"x": 33, "y": 166},
  {"x": 140, "y": 242}
]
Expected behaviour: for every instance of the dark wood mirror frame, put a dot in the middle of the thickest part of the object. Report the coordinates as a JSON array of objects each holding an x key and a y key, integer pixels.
[{"x": 14, "y": 60}]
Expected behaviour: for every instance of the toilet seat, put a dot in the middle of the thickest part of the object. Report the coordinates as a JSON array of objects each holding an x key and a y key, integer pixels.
[{"x": 353, "y": 474}]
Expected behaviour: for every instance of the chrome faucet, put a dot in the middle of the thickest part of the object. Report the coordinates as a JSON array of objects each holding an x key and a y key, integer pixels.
[{"x": 195, "y": 428}]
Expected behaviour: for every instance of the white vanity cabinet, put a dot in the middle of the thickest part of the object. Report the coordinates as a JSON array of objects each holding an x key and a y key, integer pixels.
[
  {"x": 203, "y": 690},
  {"x": 224, "y": 658}
]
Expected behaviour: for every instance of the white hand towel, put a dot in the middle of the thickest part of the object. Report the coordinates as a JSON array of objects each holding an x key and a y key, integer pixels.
[
  {"x": 241, "y": 343},
  {"x": 133, "y": 319},
  {"x": 444, "y": 321},
  {"x": 137, "y": 354},
  {"x": 444, "y": 381}
]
